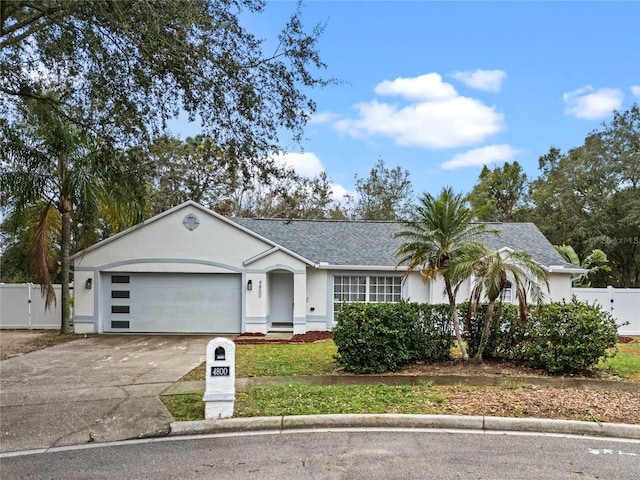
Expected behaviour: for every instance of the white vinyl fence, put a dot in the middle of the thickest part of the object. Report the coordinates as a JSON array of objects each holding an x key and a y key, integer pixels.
[
  {"x": 22, "y": 307},
  {"x": 622, "y": 303}
]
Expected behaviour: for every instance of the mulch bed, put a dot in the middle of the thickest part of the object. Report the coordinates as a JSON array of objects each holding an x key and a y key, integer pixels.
[{"x": 261, "y": 338}]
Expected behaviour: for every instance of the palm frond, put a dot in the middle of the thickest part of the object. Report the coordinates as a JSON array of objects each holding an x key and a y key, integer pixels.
[{"x": 45, "y": 229}]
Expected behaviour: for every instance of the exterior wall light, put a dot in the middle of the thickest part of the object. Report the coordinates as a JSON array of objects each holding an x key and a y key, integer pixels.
[
  {"x": 88, "y": 284},
  {"x": 249, "y": 285}
]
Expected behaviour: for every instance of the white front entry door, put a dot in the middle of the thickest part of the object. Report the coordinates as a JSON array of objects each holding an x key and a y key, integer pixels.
[{"x": 281, "y": 300}]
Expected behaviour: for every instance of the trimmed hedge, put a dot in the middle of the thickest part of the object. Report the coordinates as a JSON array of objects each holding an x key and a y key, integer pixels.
[
  {"x": 558, "y": 337},
  {"x": 379, "y": 337}
]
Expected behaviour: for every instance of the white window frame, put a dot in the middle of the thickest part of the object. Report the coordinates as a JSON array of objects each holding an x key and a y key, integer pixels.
[
  {"x": 507, "y": 293},
  {"x": 365, "y": 289}
]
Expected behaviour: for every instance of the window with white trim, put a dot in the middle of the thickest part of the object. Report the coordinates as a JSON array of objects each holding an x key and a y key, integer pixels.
[
  {"x": 506, "y": 296},
  {"x": 385, "y": 289},
  {"x": 369, "y": 289}
]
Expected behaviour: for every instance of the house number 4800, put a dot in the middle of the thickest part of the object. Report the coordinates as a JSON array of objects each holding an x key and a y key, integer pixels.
[{"x": 219, "y": 371}]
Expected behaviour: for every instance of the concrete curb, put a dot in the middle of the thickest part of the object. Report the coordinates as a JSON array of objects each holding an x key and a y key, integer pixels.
[{"x": 301, "y": 422}]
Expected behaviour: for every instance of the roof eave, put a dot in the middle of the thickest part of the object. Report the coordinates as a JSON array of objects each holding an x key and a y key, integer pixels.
[
  {"x": 328, "y": 266},
  {"x": 563, "y": 269}
]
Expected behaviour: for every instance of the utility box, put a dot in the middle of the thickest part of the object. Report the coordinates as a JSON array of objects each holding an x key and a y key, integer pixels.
[{"x": 220, "y": 386}]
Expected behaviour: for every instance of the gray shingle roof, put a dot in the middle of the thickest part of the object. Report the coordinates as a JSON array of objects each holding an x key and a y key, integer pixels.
[{"x": 367, "y": 243}]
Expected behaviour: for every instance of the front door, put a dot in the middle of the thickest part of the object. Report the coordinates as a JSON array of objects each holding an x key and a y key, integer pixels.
[{"x": 281, "y": 301}]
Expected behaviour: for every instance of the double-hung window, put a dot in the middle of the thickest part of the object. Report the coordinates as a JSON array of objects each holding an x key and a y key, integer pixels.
[{"x": 362, "y": 288}]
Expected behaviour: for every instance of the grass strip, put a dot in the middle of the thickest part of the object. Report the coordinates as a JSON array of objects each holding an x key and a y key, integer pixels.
[
  {"x": 507, "y": 400},
  {"x": 300, "y": 399},
  {"x": 263, "y": 360}
]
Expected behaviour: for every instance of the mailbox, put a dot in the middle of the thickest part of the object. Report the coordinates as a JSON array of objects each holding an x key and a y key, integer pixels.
[{"x": 220, "y": 389}]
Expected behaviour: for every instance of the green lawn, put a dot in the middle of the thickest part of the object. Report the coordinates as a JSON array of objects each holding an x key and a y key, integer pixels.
[
  {"x": 266, "y": 360},
  {"x": 626, "y": 363},
  {"x": 318, "y": 359}
]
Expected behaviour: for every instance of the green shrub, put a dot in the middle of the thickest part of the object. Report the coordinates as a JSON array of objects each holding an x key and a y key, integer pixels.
[
  {"x": 569, "y": 337},
  {"x": 558, "y": 337},
  {"x": 378, "y": 337}
]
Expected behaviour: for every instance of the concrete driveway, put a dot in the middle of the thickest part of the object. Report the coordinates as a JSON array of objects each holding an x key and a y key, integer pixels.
[{"x": 97, "y": 389}]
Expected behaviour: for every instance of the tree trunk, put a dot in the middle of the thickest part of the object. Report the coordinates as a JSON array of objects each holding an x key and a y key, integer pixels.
[
  {"x": 486, "y": 329},
  {"x": 65, "y": 241},
  {"x": 454, "y": 319}
]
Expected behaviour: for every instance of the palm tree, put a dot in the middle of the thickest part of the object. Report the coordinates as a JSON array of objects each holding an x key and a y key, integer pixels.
[
  {"x": 438, "y": 231},
  {"x": 595, "y": 262},
  {"x": 50, "y": 174},
  {"x": 494, "y": 273}
]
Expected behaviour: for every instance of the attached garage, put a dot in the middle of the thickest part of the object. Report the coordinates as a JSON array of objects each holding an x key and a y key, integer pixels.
[
  {"x": 171, "y": 302},
  {"x": 189, "y": 270}
]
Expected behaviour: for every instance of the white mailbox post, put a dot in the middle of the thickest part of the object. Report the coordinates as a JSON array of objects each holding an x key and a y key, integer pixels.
[{"x": 220, "y": 387}]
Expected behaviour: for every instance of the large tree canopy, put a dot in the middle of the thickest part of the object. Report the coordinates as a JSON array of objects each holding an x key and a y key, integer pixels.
[
  {"x": 122, "y": 68},
  {"x": 386, "y": 194},
  {"x": 589, "y": 198},
  {"x": 500, "y": 193}
]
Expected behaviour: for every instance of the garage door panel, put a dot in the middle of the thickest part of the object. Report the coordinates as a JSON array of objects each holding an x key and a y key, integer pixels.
[{"x": 176, "y": 303}]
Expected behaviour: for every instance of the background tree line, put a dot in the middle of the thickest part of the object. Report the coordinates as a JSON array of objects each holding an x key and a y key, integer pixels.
[{"x": 586, "y": 200}]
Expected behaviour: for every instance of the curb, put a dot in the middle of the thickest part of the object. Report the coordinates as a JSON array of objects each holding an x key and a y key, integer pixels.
[{"x": 461, "y": 422}]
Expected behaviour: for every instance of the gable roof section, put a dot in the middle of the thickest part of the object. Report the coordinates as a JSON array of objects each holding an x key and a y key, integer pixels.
[
  {"x": 341, "y": 243},
  {"x": 526, "y": 237},
  {"x": 204, "y": 210}
]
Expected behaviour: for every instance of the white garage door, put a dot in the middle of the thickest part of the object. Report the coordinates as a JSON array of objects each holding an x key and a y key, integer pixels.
[{"x": 172, "y": 302}]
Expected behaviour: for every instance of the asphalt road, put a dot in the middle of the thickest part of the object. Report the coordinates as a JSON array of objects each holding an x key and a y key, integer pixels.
[{"x": 344, "y": 454}]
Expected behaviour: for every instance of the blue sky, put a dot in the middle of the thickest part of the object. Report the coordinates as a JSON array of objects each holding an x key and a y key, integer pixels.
[{"x": 441, "y": 88}]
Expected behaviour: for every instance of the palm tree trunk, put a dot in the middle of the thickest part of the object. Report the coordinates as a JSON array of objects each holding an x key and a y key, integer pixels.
[
  {"x": 486, "y": 329},
  {"x": 454, "y": 319},
  {"x": 65, "y": 241}
]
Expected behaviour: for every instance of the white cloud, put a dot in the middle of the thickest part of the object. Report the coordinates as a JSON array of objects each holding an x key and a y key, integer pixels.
[
  {"x": 425, "y": 87},
  {"x": 434, "y": 116},
  {"x": 339, "y": 193},
  {"x": 489, "y": 80},
  {"x": 635, "y": 90},
  {"x": 590, "y": 104},
  {"x": 450, "y": 123},
  {"x": 306, "y": 164},
  {"x": 323, "y": 117},
  {"x": 481, "y": 156}
]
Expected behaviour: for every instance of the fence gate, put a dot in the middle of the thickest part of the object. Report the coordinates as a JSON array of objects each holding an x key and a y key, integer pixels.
[
  {"x": 622, "y": 303},
  {"x": 22, "y": 307}
]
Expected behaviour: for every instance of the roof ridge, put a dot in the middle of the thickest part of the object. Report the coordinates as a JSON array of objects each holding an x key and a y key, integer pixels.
[{"x": 323, "y": 220}]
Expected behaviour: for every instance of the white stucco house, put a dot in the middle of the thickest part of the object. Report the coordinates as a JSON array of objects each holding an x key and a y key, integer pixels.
[{"x": 191, "y": 270}]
